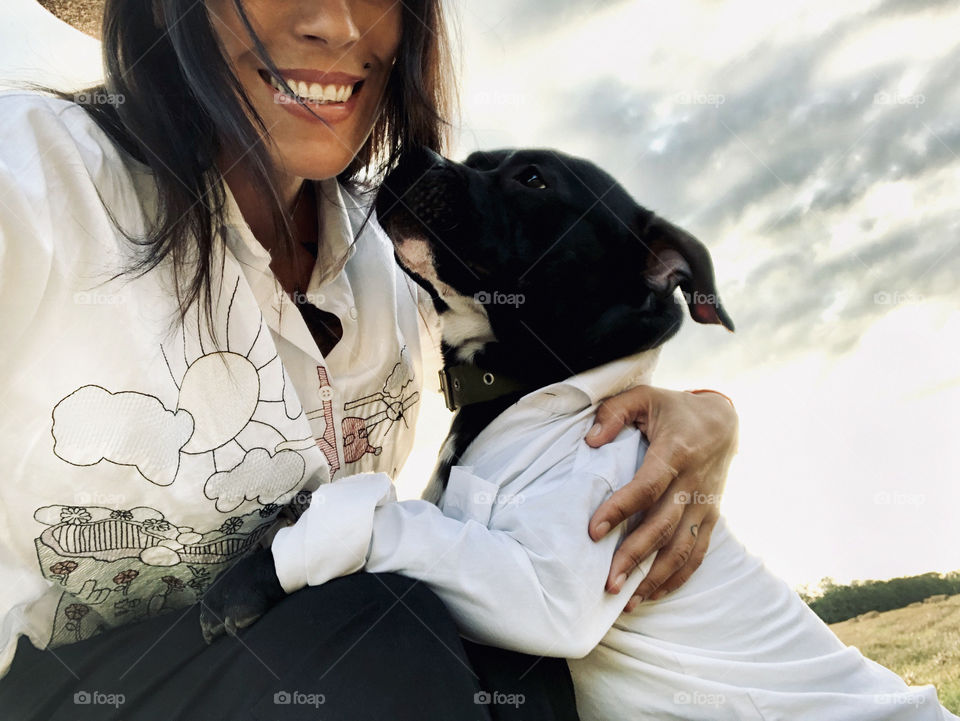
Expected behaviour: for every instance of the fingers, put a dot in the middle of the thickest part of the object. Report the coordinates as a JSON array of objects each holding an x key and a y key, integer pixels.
[
  {"x": 655, "y": 532},
  {"x": 647, "y": 487},
  {"x": 660, "y": 581},
  {"x": 615, "y": 413}
]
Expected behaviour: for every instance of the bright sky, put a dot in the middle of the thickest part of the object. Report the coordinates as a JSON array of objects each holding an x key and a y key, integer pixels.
[{"x": 814, "y": 147}]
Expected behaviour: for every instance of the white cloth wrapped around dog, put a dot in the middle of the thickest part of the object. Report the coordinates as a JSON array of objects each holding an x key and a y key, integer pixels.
[{"x": 508, "y": 552}]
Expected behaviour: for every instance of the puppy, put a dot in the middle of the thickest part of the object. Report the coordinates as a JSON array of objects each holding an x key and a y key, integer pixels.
[{"x": 540, "y": 266}]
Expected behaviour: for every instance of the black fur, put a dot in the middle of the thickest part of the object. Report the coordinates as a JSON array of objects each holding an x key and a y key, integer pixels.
[{"x": 582, "y": 254}]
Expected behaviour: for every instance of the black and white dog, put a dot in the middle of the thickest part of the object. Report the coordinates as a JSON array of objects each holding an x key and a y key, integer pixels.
[{"x": 540, "y": 266}]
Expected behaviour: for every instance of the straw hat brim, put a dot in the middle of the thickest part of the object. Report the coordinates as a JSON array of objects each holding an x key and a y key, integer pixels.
[{"x": 85, "y": 15}]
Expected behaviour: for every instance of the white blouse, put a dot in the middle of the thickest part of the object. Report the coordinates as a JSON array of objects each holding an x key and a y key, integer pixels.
[{"x": 143, "y": 455}]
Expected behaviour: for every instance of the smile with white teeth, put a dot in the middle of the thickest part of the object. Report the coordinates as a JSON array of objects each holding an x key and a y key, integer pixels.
[{"x": 315, "y": 92}]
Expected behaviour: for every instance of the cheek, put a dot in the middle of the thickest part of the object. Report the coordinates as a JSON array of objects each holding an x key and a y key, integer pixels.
[{"x": 386, "y": 29}]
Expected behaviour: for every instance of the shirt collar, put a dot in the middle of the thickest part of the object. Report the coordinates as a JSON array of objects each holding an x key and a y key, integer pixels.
[
  {"x": 335, "y": 246},
  {"x": 590, "y": 387}
]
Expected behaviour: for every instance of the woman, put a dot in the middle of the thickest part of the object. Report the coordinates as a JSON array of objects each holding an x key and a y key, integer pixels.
[{"x": 198, "y": 324}]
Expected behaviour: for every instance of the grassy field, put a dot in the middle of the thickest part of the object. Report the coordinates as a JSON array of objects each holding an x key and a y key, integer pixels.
[{"x": 922, "y": 644}]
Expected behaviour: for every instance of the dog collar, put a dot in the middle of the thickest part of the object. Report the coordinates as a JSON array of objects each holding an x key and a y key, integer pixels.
[{"x": 464, "y": 385}]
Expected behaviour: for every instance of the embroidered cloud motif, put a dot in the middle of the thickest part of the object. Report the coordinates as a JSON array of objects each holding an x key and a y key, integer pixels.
[
  {"x": 258, "y": 477},
  {"x": 127, "y": 428}
]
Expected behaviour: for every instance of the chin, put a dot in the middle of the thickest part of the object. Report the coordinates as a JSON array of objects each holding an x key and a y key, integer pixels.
[{"x": 318, "y": 165}]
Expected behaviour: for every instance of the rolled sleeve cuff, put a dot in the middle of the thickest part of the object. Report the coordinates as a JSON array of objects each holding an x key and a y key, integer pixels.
[{"x": 332, "y": 537}]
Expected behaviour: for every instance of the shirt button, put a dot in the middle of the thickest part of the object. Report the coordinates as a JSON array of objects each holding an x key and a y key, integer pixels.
[
  {"x": 353, "y": 313},
  {"x": 326, "y": 393}
]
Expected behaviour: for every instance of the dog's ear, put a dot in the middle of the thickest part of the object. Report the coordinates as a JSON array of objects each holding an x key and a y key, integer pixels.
[{"x": 677, "y": 259}]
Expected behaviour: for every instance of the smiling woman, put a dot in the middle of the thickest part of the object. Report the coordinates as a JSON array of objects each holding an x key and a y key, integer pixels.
[
  {"x": 235, "y": 329},
  {"x": 194, "y": 239}
]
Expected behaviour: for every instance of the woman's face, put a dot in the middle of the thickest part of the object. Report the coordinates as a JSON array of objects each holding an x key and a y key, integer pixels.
[{"x": 337, "y": 55}]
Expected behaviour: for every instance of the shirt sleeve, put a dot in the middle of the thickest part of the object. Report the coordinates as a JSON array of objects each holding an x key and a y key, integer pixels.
[{"x": 516, "y": 568}]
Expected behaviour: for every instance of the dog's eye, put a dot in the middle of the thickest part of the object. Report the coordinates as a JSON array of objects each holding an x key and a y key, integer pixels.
[{"x": 531, "y": 177}]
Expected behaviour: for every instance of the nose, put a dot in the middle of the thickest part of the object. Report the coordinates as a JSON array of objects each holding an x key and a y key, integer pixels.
[{"x": 328, "y": 21}]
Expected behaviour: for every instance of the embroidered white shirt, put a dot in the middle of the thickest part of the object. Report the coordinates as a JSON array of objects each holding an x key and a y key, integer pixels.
[{"x": 141, "y": 455}]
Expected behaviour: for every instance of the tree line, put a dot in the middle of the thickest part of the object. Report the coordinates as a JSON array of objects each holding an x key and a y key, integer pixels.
[{"x": 834, "y": 602}]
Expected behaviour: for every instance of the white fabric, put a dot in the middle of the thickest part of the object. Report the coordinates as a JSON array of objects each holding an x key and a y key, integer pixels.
[
  {"x": 37, "y": 46},
  {"x": 509, "y": 554},
  {"x": 142, "y": 456}
]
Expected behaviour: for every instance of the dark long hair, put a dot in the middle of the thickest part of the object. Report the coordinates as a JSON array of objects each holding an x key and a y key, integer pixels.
[{"x": 181, "y": 103}]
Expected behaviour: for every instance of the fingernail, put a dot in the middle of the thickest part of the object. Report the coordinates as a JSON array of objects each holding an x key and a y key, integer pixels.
[
  {"x": 594, "y": 431},
  {"x": 602, "y": 529},
  {"x": 618, "y": 583}
]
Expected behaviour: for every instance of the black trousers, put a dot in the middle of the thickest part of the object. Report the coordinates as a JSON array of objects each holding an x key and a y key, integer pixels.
[{"x": 363, "y": 647}]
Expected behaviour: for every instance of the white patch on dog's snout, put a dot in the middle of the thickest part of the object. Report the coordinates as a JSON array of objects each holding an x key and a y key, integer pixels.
[
  {"x": 465, "y": 326},
  {"x": 417, "y": 256}
]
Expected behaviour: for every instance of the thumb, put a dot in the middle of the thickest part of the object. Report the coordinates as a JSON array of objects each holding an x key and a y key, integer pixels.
[{"x": 615, "y": 413}]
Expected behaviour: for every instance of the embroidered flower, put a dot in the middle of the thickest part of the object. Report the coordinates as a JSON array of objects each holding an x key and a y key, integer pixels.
[
  {"x": 126, "y": 577},
  {"x": 62, "y": 570},
  {"x": 74, "y": 515},
  {"x": 121, "y": 515},
  {"x": 173, "y": 583},
  {"x": 269, "y": 510},
  {"x": 76, "y": 611},
  {"x": 156, "y": 524},
  {"x": 231, "y": 525}
]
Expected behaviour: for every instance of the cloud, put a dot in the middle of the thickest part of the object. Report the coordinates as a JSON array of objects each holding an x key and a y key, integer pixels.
[
  {"x": 781, "y": 170},
  {"x": 258, "y": 477},
  {"x": 131, "y": 429},
  {"x": 510, "y": 20}
]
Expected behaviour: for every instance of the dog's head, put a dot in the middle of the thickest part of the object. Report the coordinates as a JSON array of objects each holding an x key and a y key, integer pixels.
[{"x": 541, "y": 257}]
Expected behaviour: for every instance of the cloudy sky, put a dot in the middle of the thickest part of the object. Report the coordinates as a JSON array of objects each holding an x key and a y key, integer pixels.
[{"x": 812, "y": 146}]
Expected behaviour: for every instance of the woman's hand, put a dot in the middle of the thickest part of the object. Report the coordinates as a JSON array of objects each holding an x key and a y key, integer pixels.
[{"x": 693, "y": 438}]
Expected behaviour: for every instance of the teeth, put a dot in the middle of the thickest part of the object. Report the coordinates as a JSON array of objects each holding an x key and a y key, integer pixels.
[{"x": 315, "y": 92}]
